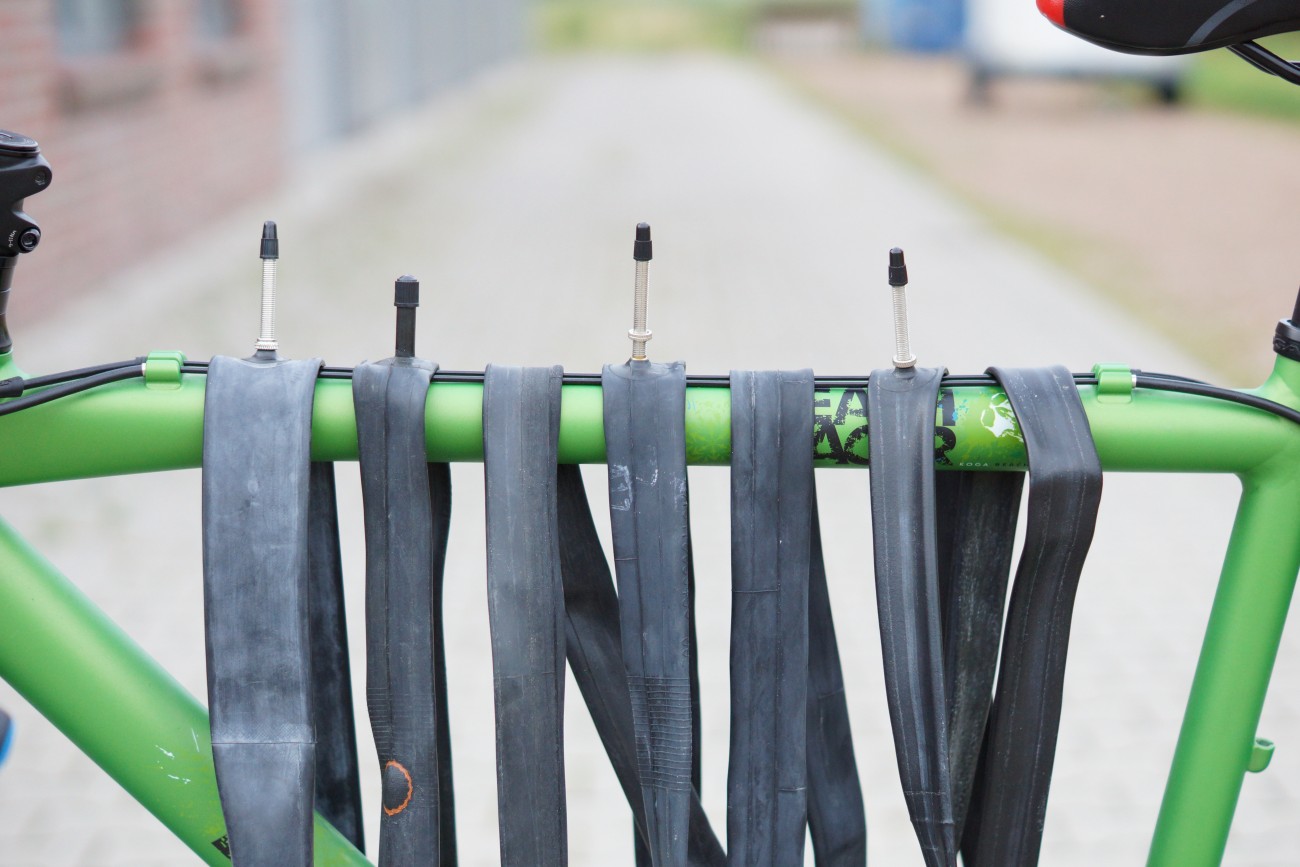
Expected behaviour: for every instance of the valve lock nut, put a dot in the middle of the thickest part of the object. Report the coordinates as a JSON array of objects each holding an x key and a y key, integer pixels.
[{"x": 1286, "y": 340}]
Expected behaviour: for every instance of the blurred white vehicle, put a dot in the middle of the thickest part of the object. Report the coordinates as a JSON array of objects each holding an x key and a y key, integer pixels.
[{"x": 1011, "y": 37}]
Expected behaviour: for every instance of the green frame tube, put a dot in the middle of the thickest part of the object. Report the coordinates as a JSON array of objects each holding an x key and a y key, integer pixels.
[
  {"x": 134, "y": 427},
  {"x": 116, "y": 703},
  {"x": 132, "y": 718},
  {"x": 1241, "y": 642}
]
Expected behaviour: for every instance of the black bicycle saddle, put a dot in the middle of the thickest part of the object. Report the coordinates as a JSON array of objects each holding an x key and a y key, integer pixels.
[{"x": 1171, "y": 26}]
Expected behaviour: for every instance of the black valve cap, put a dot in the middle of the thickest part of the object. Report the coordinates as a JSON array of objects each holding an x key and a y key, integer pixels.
[
  {"x": 642, "y": 250},
  {"x": 897, "y": 268},
  {"x": 270, "y": 241},
  {"x": 406, "y": 292},
  {"x": 406, "y": 297}
]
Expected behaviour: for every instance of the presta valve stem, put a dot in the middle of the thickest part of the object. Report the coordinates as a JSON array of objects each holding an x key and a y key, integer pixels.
[
  {"x": 266, "y": 341},
  {"x": 642, "y": 252},
  {"x": 406, "y": 298},
  {"x": 903, "y": 356}
]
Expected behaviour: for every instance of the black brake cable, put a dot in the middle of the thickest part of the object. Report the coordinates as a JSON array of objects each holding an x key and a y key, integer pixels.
[
  {"x": 1170, "y": 376},
  {"x": 1203, "y": 390},
  {"x": 67, "y": 388},
  {"x": 80, "y": 373},
  {"x": 15, "y": 386}
]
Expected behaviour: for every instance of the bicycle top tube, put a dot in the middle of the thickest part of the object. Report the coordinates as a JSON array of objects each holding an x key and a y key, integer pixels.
[{"x": 156, "y": 423}]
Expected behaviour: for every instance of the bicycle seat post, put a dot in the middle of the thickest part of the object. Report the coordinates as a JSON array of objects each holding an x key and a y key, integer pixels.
[{"x": 23, "y": 172}]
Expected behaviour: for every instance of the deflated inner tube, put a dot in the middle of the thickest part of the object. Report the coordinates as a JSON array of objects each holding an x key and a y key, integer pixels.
[
  {"x": 977, "y": 514},
  {"x": 256, "y": 478},
  {"x": 645, "y": 437},
  {"x": 407, "y": 503},
  {"x": 521, "y": 427},
  {"x": 338, "y": 779},
  {"x": 595, "y": 655},
  {"x": 771, "y": 536},
  {"x": 837, "y": 819},
  {"x": 901, "y": 414},
  {"x": 1005, "y": 827}
]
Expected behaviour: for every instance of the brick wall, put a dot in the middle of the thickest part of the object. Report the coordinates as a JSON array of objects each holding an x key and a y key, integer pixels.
[{"x": 146, "y": 143}]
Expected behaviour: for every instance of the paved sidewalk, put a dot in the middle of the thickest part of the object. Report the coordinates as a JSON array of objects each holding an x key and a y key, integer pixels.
[
  {"x": 1182, "y": 216},
  {"x": 514, "y": 203}
]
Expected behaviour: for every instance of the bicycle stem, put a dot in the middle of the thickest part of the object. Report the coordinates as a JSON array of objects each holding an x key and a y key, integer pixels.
[{"x": 23, "y": 172}]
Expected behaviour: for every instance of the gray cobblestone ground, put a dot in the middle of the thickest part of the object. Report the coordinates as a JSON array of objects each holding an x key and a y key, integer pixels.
[{"x": 514, "y": 203}]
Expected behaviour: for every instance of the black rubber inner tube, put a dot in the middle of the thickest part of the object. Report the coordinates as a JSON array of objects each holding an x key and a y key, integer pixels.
[
  {"x": 1005, "y": 827},
  {"x": 901, "y": 414},
  {"x": 338, "y": 775},
  {"x": 771, "y": 536},
  {"x": 977, "y": 514},
  {"x": 521, "y": 429},
  {"x": 256, "y": 479},
  {"x": 595, "y": 653},
  {"x": 407, "y": 510},
  {"x": 645, "y": 436},
  {"x": 837, "y": 819}
]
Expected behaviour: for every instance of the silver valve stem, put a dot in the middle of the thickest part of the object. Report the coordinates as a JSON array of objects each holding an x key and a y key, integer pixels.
[
  {"x": 903, "y": 356},
  {"x": 641, "y": 252},
  {"x": 266, "y": 341}
]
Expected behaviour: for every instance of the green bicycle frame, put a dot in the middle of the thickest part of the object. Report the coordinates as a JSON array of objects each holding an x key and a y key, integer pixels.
[{"x": 135, "y": 721}]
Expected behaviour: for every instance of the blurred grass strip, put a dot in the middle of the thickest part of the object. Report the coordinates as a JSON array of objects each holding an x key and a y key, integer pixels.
[
  {"x": 643, "y": 25},
  {"x": 1222, "y": 80}
]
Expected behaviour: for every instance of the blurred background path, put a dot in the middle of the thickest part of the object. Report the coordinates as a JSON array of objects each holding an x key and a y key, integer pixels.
[{"x": 513, "y": 200}]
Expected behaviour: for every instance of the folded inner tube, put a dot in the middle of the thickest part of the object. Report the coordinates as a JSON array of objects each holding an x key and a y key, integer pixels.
[
  {"x": 256, "y": 473},
  {"x": 407, "y": 510},
  {"x": 338, "y": 778},
  {"x": 1005, "y": 827},
  {"x": 595, "y": 655},
  {"x": 640, "y": 851},
  {"x": 837, "y": 819},
  {"x": 521, "y": 428},
  {"x": 771, "y": 537},
  {"x": 645, "y": 437},
  {"x": 901, "y": 414},
  {"x": 977, "y": 514},
  {"x": 693, "y": 651}
]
